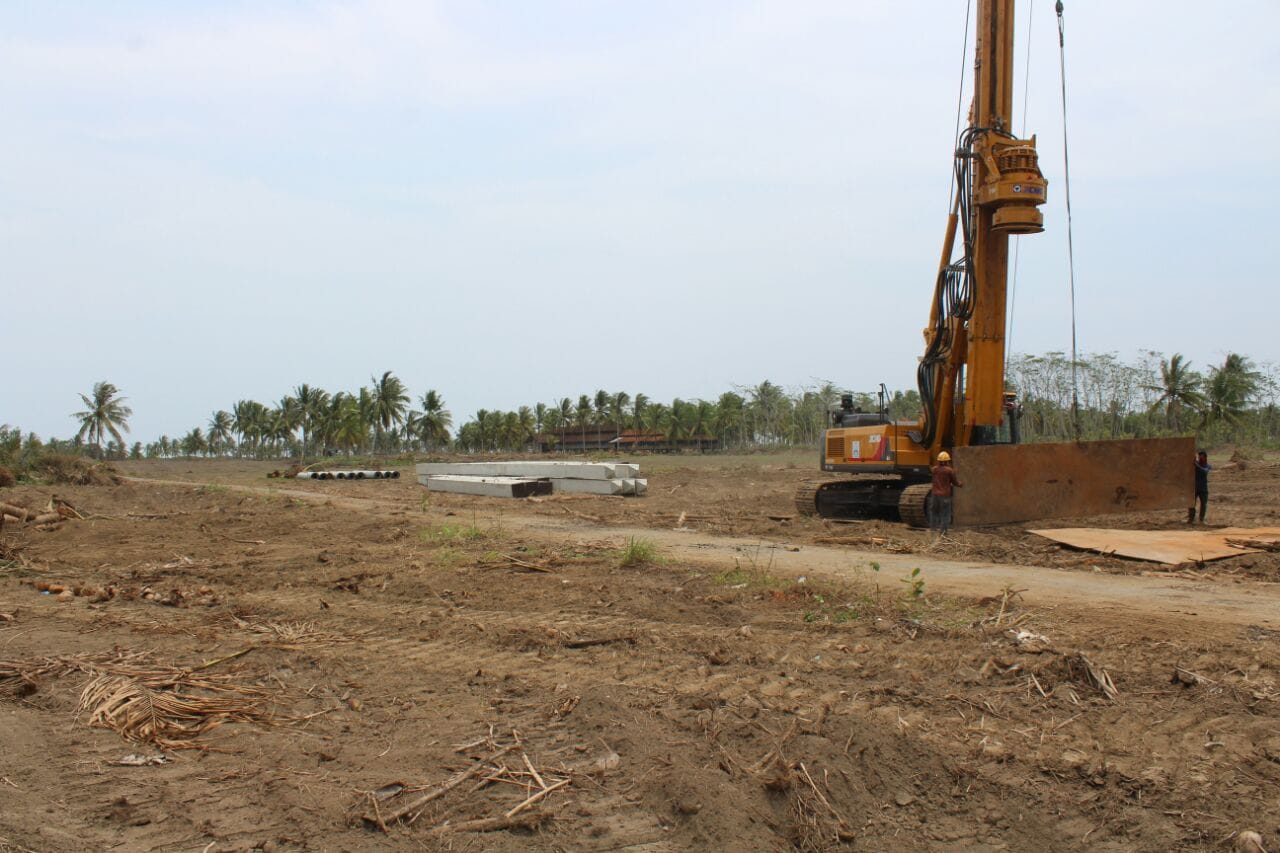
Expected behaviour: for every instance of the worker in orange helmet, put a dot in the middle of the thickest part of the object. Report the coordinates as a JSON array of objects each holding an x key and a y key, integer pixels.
[{"x": 944, "y": 480}]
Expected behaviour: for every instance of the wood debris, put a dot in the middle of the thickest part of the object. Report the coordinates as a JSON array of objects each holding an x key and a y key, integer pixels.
[{"x": 405, "y": 804}]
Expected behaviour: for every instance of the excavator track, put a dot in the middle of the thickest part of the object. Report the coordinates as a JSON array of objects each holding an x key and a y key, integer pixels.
[
  {"x": 912, "y": 505},
  {"x": 854, "y": 497},
  {"x": 806, "y": 498}
]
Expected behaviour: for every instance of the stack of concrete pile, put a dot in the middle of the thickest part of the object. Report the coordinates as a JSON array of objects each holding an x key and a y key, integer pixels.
[{"x": 522, "y": 479}]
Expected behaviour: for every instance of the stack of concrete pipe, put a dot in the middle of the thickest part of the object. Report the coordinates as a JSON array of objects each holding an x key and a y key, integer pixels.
[
  {"x": 522, "y": 479},
  {"x": 349, "y": 475}
]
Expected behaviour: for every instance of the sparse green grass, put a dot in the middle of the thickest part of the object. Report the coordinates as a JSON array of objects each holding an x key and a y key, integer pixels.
[
  {"x": 752, "y": 577},
  {"x": 455, "y": 533},
  {"x": 638, "y": 552}
]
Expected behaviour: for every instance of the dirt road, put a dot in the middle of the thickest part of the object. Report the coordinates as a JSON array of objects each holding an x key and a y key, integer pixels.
[{"x": 1199, "y": 606}]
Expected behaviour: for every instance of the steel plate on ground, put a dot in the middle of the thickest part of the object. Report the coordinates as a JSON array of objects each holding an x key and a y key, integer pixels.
[
  {"x": 1006, "y": 483},
  {"x": 1164, "y": 546}
]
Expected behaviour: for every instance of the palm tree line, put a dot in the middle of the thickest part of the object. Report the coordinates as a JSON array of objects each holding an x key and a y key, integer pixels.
[
  {"x": 1235, "y": 401},
  {"x": 1150, "y": 397},
  {"x": 310, "y": 422}
]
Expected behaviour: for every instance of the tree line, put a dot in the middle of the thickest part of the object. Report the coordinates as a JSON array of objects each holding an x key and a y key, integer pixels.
[{"x": 1103, "y": 397}]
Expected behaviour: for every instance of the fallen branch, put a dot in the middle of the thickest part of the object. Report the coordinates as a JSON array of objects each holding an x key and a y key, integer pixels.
[
  {"x": 537, "y": 796},
  {"x": 415, "y": 806},
  {"x": 604, "y": 641},
  {"x": 19, "y": 513},
  {"x": 494, "y": 824},
  {"x": 204, "y": 528},
  {"x": 533, "y": 567},
  {"x": 582, "y": 515}
]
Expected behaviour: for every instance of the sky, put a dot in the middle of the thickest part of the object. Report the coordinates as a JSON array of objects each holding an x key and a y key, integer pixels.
[{"x": 513, "y": 202}]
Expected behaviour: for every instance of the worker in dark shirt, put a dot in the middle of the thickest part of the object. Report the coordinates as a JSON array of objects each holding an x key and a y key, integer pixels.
[
  {"x": 1202, "y": 487},
  {"x": 944, "y": 479}
]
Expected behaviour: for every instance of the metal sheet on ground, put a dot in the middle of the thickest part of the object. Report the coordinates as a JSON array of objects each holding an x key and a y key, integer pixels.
[
  {"x": 1160, "y": 546},
  {"x": 1006, "y": 483}
]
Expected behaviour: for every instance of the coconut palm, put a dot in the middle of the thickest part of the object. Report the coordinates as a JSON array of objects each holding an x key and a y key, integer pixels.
[
  {"x": 346, "y": 422},
  {"x": 638, "y": 406},
  {"x": 527, "y": 425},
  {"x": 436, "y": 420},
  {"x": 617, "y": 409},
  {"x": 105, "y": 414},
  {"x": 390, "y": 403},
  {"x": 730, "y": 418},
  {"x": 311, "y": 404},
  {"x": 1179, "y": 391},
  {"x": 194, "y": 443},
  {"x": 1231, "y": 388},
  {"x": 220, "y": 427}
]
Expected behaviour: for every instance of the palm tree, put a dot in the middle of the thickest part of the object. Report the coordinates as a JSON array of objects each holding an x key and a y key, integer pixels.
[
  {"x": 564, "y": 412},
  {"x": 729, "y": 419},
  {"x": 312, "y": 403},
  {"x": 390, "y": 403},
  {"x": 105, "y": 413},
  {"x": 637, "y": 411},
  {"x": 219, "y": 430},
  {"x": 617, "y": 408},
  {"x": 436, "y": 420},
  {"x": 194, "y": 442},
  {"x": 1179, "y": 391},
  {"x": 348, "y": 423},
  {"x": 1231, "y": 388},
  {"x": 527, "y": 425}
]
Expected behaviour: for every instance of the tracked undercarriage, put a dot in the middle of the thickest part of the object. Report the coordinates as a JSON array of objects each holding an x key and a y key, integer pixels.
[{"x": 865, "y": 496}]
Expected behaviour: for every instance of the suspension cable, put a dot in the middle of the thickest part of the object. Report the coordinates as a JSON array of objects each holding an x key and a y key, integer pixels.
[
  {"x": 1071, "y": 264},
  {"x": 1017, "y": 240},
  {"x": 964, "y": 56}
]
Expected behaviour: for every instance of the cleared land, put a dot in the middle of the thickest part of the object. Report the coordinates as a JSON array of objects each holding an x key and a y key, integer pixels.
[{"x": 296, "y": 650}]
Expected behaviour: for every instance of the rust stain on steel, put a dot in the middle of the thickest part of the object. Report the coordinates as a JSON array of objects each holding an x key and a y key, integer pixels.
[
  {"x": 1006, "y": 483},
  {"x": 1160, "y": 546}
]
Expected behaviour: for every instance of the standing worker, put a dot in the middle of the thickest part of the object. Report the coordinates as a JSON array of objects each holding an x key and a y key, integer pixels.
[
  {"x": 1202, "y": 487},
  {"x": 944, "y": 478}
]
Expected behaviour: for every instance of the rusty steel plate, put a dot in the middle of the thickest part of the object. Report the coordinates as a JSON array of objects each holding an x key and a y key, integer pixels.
[
  {"x": 1006, "y": 483},
  {"x": 1162, "y": 546}
]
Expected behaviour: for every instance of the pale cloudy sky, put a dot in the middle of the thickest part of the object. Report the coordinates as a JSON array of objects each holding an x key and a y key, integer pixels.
[{"x": 518, "y": 201}]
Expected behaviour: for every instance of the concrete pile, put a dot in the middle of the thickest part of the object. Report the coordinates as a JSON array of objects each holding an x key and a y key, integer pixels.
[
  {"x": 522, "y": 479},
  {"x": 348, "y": 475}
]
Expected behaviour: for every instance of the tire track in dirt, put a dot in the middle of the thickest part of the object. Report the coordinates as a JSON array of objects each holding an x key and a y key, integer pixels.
[{"x": 1195, "y": 607}]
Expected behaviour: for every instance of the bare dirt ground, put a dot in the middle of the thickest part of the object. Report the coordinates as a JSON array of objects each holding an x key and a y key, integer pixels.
[{"x": 289, "y": 656}]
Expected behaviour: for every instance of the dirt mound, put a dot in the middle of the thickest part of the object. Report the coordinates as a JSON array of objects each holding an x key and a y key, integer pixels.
[
  {"x": 1241, "y": 461},
  {"x": 64, "y": 468},
  {"x": 6, "y": 477}
]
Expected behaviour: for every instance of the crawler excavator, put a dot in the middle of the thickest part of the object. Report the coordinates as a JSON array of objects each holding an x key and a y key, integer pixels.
[{"x": 966, "y": 408}]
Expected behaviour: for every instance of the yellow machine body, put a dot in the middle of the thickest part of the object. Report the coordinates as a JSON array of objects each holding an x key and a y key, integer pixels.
[{"x": 999, "y": 189}]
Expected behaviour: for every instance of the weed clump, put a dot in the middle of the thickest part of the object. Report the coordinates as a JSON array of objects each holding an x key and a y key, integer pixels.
[{"x": 638, "y": 552}]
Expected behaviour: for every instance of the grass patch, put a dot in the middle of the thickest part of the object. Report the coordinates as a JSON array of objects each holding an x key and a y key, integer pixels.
[
  {"x": 754, "y": 574},
  {"x": 638, "y": 552},
  {"x": 440, "y": 534}
]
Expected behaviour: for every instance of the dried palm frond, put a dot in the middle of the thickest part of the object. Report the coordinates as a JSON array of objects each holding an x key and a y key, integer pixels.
[
  {"x": 147, "y": 712},
  {"x": 288, "y": 632}
]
